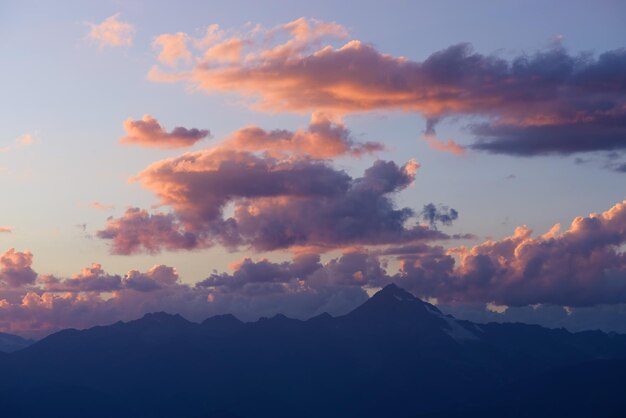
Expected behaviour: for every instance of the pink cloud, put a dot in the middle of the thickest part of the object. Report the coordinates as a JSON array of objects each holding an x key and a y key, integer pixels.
[
  {"x": 325, "y": 137},
  {"x": 100, "y": 206},
  {"x": 173, "y": 48},
  {"x": 148, "y": 132},
  {"x": 112, "y": 32},
  {"x": 15, "y": 268},
  {"x": 95, "y": 297}
]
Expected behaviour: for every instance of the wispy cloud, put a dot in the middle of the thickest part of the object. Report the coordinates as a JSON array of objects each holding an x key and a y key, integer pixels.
[
  {"x": 111, "y": 32},
  {"x": 22, "y": 141},
  {"x": 101, "y": 206}
]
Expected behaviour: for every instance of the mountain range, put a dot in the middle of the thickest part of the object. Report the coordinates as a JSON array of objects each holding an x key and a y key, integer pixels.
[{"x": 393, "y": 356}]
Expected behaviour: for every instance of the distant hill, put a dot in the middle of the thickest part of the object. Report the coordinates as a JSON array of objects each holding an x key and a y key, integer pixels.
[
  {"x": 394, "y": 356},
  {"x": 10, "y": 343}
]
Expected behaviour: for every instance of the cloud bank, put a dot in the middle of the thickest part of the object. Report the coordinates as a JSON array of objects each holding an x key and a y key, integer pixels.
[{"x": 582, "y": 269}]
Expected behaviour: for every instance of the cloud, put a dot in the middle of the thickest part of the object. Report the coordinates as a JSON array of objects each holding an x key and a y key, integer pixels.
[
  {"x": 450, "y": 146},
  {"x": 15, "y": 268},
  {"x": 615, "y": 164},
  {"x": 100, "y": 206},
  {"x": 22, "y": 141},
  {"x": 583, "y": 266},
  {"x": 301, "y": 288},
  {"x": 95, "y": 279},
  {"x": 621, "y": 168},
  {"x": 549, "y": 102},
  {"x": 325, "y": 137},
  {"x": 111, "y": 32},
  {"x": 173, "y": 48},
  {"x": 442, "y": 214},
  {"x": 430, "y": 136},
  {"x": 90, "y": 279},
  {"x": 278, "y": 203},
  {"x": 25, "y": 139},
  {"x": 147, "y": 132},
  {"x": 305, "y": 271},
  {"x": 137, "y": 230},
  {"x": 549, "y": 279}
]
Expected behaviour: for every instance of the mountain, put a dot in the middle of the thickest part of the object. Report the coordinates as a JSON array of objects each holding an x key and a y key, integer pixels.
[
  {"x": 393, "y": 356},
  {"x": 10, "y": 343}
]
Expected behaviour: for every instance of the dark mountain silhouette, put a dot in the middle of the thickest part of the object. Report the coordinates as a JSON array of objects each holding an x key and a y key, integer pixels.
[
  {"x": 394, "y": 356},
  {"x": 10, "y": 343}
]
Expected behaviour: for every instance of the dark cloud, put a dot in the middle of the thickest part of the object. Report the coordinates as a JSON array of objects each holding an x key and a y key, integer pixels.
[
  {"x": 277, "y": 204},
  {"x": 600, "y": 134},
  {"x": 95, "y": 279},
  {"x": 438, "y": 214},
  {"x": 355, "y": 268},
  {"x": 138, "y": 229}
]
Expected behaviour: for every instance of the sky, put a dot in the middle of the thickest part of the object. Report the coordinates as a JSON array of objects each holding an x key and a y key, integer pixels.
[{"x": 264, "y": 157}]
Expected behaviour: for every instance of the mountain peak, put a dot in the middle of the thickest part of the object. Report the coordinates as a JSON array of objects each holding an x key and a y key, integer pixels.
[
  {"x": 225, "y": 319},
  {"x": 396, "y": 292},
  {"x": 163, "y": 318},
  {"x": 391, "y": 300}
]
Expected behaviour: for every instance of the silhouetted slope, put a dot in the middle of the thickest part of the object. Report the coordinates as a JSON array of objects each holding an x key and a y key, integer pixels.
[
  {"x": 394, "y": 356},
  {"x": 10, "y": 343}
]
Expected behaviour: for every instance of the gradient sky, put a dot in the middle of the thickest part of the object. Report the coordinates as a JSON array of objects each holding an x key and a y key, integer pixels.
[{"x": 74, "y": 72}]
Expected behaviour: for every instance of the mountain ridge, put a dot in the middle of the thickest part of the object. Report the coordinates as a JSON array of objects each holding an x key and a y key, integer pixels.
[{"x": 393, "y": 346}]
